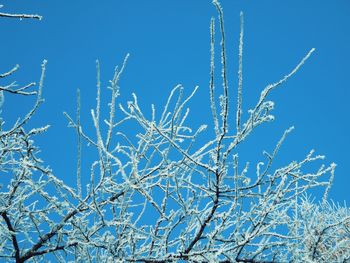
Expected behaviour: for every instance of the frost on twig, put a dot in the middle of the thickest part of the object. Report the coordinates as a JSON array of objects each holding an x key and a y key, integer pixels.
[{"x": 20, "y": 16}]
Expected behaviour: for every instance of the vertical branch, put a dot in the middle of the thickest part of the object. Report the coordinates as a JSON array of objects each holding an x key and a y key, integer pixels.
[
  {"x": 224, "y": 101},
  {"x": 98, "y": 96},
  {"x": 100, "y": 145},
  {"x": 78, "y": 145},
  {"x": 325, "y": 195},
  {"x": 164, "y": 116},
  {"x": 41, "y": 82},
  {"x": 2, "y": 99},
  {"x": 97, "y": 121},
  {"x": 296, "y": 216},
  {"x": 13, "y": 235},
  {"x": 212, "y": 74},
  {"x": 240, "y": 76},
  {"x": 114, "y": 87}
]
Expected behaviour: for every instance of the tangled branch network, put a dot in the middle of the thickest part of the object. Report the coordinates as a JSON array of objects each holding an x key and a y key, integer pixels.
[{"x": 164, "y": 194}]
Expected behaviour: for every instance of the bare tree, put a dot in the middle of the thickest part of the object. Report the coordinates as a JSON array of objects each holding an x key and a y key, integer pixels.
[{"x": 164, "y": 194}]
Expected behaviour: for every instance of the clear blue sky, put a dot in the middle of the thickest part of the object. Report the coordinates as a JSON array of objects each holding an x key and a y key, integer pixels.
[{"x": 169, "y": 44}]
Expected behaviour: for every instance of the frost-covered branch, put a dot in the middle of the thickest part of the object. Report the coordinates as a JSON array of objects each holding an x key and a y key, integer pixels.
[{"x": 20, "y": 16}]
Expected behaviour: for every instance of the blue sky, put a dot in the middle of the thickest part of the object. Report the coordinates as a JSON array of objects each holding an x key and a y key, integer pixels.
[{"x": 168, "y": 42}]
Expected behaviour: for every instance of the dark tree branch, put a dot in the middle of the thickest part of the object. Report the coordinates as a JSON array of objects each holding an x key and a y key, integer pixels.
[
  {"x": 13, "y": 235},
  {"x": 34, "y": 250},
  {"x": 46, "y": 251}
]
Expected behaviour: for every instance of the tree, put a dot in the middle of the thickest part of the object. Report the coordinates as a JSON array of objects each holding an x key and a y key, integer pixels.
[{"x": 163, "y": 194}]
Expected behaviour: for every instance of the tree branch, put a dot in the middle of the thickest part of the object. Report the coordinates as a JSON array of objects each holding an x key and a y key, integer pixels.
[
  {"x": 13, "y": 235},
  {"x": 21, "y": 16}
]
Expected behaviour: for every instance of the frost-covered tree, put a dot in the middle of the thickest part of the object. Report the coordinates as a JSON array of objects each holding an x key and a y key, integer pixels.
[{"x": 164, "y": 194}]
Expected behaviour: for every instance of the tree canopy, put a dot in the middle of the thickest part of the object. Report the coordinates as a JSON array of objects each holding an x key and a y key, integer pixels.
[{"x": 162, "y": 190}]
